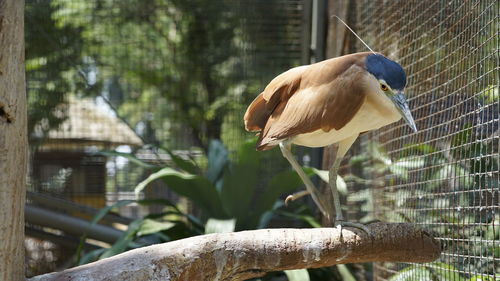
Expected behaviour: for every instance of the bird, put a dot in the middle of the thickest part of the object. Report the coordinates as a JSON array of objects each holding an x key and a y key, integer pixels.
[{"x": 327, "y": 103}]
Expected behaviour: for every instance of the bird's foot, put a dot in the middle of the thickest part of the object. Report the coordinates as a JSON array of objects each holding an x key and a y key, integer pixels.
[
  {"x": 373, "y": 221},
  {"x": 296, "y": 196},
  {"x": 339, "y": 224}
]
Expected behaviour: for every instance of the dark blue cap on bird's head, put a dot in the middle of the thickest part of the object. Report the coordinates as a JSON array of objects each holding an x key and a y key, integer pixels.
[{"x": 386, "y": 69}]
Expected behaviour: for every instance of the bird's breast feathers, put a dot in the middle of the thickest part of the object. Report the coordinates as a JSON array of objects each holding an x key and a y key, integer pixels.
[{"x": 369, "y": 117}]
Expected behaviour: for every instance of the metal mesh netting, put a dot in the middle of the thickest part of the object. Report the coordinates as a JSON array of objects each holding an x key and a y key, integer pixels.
[
  {"x": 446, "y": 176},
  {"x": 169, "y": 74},
  {"x": 131, "y": 76}
]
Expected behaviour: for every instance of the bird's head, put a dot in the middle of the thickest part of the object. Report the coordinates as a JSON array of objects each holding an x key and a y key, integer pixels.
[{"x": 392, "y": 80}]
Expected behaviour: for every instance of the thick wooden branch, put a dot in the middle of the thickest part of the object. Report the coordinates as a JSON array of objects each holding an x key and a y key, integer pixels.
[{"x": 247, "y": 254}]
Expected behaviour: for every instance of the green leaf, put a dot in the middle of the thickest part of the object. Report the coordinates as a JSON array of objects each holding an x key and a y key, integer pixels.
[
  {"x": 161, "y": 174},
  {"x": 410, "y": 273},
  {"x": 181, "y": 230},
  {"x": 102, "y": 212},
  {"x": 324, "y": 175},
  {"x": 239, "y": 183},
  {"x": 186, "y": 165},
  {"x": 124, "y": 241},
  {"x": 425, "y": 149},
  {"x": 411, "y": 162},
  {"x": 196, "y": 188},
  {"x": 238, "y": 189},
  {"x": 217, "y": 160},
  {"x": 490, "y": 94},
  {"x": 358, "y": 159},
  {"x": 149, "y": 226},
  {"x": 345, "y": 273},
  {"x": 220, "y": 226},
  {"x": 492, "y": 231},
  {"x": 297, "y": 275},
  {"x": 130, "y": 157},
  {"x": 247, "y": 153},
  {"x": 462, "y": 137},
  {"x": 158, "y": 201},
  {"x": 265, "y": 218},
  {"x": 378, "y": 153},
  {"x": 481, "y": 278},
  {"x": 162, "y": 201},
  {"x": 91, "y": 256},
  {"x": 445, "y": 272},
  {"x": 200, "y": 191},
  {"x": 282, "y": 183},
  {"x": 399, "y": 171},
  {"x": 454, "y": 174},
  {"x": 306, "y": 218}
]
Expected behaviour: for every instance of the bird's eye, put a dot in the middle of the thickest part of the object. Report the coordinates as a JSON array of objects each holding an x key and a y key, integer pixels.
[{"x": 384, "y": 87}]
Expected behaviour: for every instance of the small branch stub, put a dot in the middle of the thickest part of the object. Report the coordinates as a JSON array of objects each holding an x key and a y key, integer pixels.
[{"x": 248, "y": 254}]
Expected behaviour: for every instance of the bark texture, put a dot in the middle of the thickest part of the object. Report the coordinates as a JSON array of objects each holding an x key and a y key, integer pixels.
[
  {"x": 13, "y": 142},
  {"x": 248, "y": 254}
]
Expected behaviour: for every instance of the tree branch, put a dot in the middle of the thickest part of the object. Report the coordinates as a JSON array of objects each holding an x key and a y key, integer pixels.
[{"x": 248, "y": 254}]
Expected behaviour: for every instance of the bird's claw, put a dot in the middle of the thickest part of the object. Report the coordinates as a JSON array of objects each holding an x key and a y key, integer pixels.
[
  {"x": 288, "y": 199},
  {"x": 295, "y": 196},
  {"x": 373, "y": 221},
  {"x": 341, "y": 223}
]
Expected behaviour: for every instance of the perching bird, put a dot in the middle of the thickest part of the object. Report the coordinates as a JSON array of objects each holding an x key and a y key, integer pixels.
[{"x": 329, "y": 102}]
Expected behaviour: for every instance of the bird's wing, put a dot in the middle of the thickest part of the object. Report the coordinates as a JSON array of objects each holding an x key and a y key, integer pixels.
[
  {"x": 324, "y": 95},
  {"x": 278, "y": 91}
]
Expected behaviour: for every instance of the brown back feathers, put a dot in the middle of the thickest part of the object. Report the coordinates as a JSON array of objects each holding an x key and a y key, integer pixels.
[{"x": 325, "y": 96}]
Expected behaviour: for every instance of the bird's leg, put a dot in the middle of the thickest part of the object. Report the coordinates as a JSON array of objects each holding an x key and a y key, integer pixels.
[
  {"x": 332, "y": 181},
  {"x": 315, "y": 194}
]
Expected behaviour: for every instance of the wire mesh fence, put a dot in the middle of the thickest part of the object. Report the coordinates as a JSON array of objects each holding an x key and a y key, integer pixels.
[
  {"x": 111, "y": 78},
  {"x": 119, "y": 75},
  {"x": 445, "y": 177}
]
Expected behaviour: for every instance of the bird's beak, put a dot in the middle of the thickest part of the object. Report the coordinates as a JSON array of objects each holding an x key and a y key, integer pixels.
[{"x": 402, "y": 106}]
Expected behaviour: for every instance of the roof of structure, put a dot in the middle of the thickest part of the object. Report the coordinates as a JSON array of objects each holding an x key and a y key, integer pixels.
[{"x": 92, "y": 121}]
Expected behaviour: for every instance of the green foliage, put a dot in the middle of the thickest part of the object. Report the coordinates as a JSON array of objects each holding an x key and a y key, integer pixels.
[
  {"x": 90, "y": 256},
  {"x": 226, "y": 194},
  {"x": 345, "y": 273},
  {"x": 237, "y": 181},
  {"x": 197, "y": 188},
  {"x": 54, "y": 64},
  {"x": 171, "y": 68},
  {"x": 457, "y": 179},
  {"x": 178, "y": 60},
  {"x": 341, "y": 184},
  {"x": 410, "y": 274},
  {"x": 220, "y": 226},
  {"x": 297, "y": 275},
  {"x": 490, "y": 94},
  {"x": 167, "y": 226},
  {"x": 240, "y": 182},
  {"x": 482, "y": 278},
  {"x": 436, "y": 271},
  {"x": 124, "y": 241}
]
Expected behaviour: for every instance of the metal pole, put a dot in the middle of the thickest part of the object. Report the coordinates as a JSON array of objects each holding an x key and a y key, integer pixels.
[{"x": 70, "y": 225}]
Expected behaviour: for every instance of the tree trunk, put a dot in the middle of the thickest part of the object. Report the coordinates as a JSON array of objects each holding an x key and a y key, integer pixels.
[
  {"x": 249, "y": 254},
  {"x": 13, "y": 142}
]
